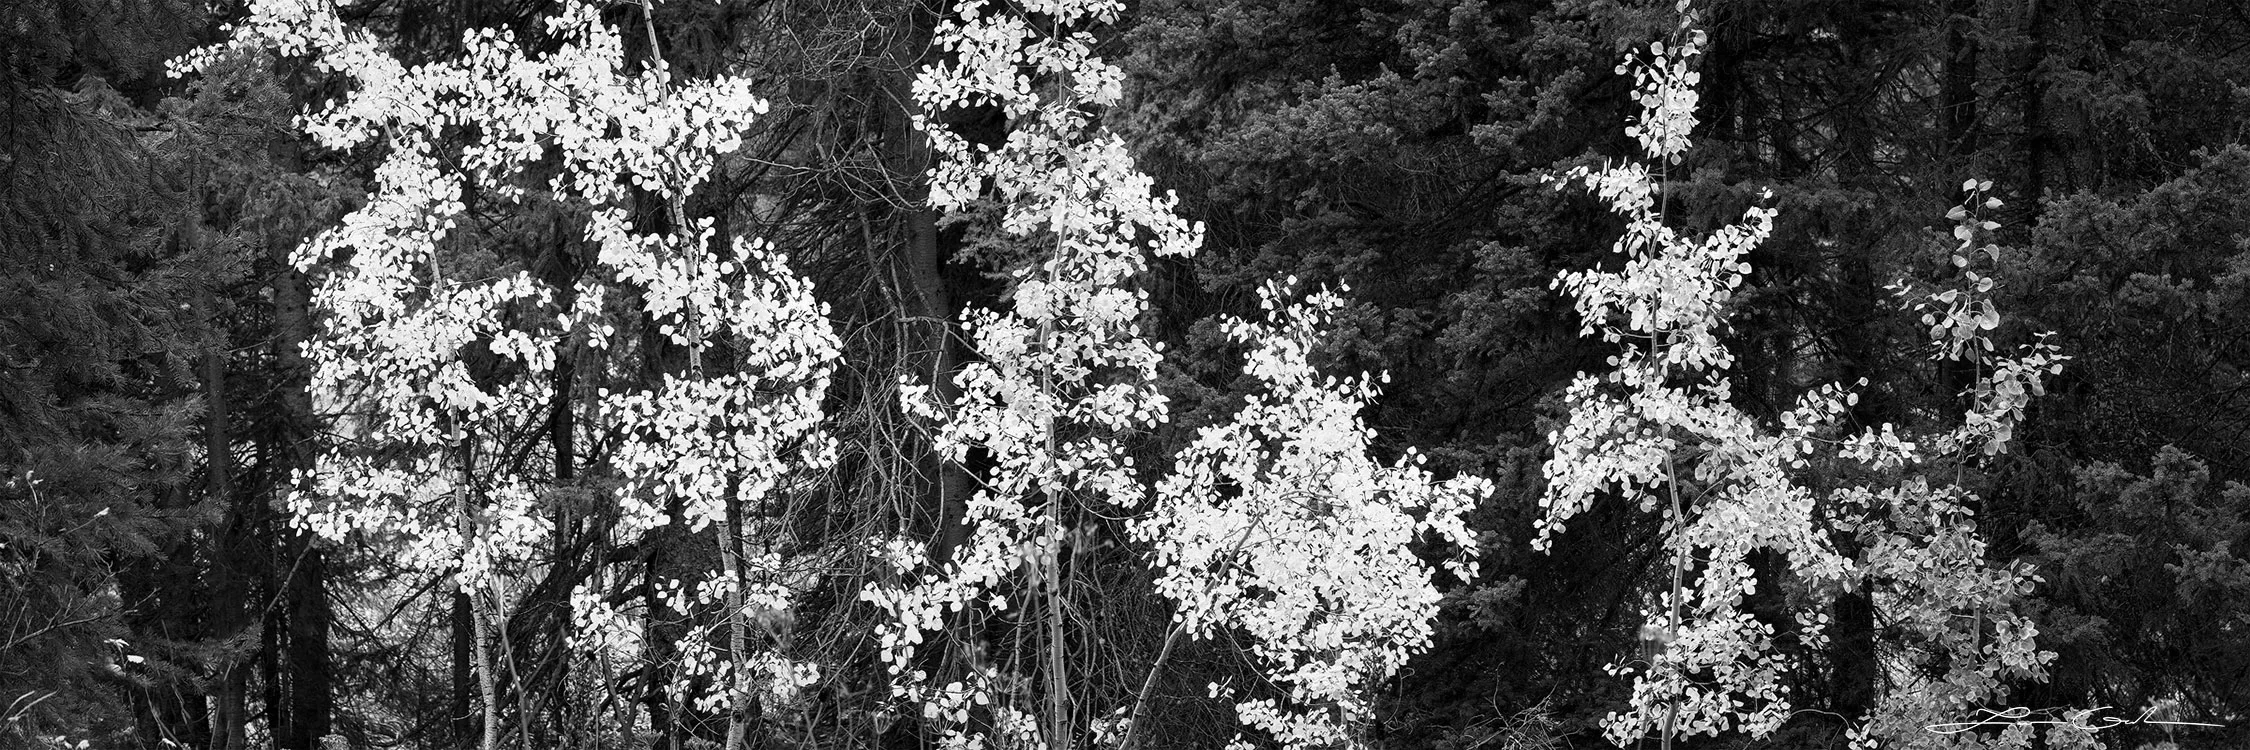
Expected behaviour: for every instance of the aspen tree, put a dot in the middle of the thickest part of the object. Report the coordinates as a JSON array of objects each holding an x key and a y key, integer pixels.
[
  {"x": 405, "y": 301},
  {"x": 1661, "y": 430}
]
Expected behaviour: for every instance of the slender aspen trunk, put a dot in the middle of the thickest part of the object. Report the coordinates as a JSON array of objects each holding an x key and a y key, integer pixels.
[
  {"x": 1679, "y": 572},
  {"x": 1058, "y": 676},
  {"x": 738, "y": 641},
  {"x": 464, "y": 633},
  {"x": 1133, "y": 732},
  {"x": 480, "y": 610}
]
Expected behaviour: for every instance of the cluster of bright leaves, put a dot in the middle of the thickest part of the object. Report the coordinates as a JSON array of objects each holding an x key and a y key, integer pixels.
[
  {"x": 1660, "y": 429},
  {"x": 405, "y": 301},
  {"x": 1663, "y": 400},
  {"x": 1960, "y": 321},
  {"x": 1065, "y": 368},
  {"x": 1311, "y": 560},
  {"x": 1921, "y": 555},
  {"x": 1279, "y": 524},
  {"x": 1061, "y": 372}
]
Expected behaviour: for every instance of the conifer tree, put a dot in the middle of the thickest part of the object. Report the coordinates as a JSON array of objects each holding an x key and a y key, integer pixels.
[{"x": 100, "y": 523}]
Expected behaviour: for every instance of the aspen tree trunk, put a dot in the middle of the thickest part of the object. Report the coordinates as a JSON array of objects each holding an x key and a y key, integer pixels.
[
  {"x": 738, "y": 641},
  {"x": 481, "y": 617},
  {"x": 480, "y": 611},
  {"x": 1057, "y": 674},
  {"x": 490, "y": 737},
  {"x": 663, "y": 716},
  {"x": 1679, "y": 569},
  {"x": 485, "y": 637},
  {"x": 1058, "y": 677}
]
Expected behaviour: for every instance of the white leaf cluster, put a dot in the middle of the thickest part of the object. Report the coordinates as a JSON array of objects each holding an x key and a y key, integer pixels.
[
  {"x": 1667, "y": 404},
  {"x": 1278, "y": 523},
  {"x": 1062, "y": 372},
  {"x": 1960, "y": 320},
  {"x": 1960, "y": 639},
  {"x": 1665, "y": 89},
  {"x": 689, "y": 438},
  {"x": 1312, "y": 561},
  {"x": 1667, "y": 397},
  {"x": 1921, "y": 557},
  {"x": 404, "y": 300}
]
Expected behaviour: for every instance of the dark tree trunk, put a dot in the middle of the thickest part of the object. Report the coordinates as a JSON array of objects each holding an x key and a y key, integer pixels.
[
  {"x": 462, "y": 706},
  {"x": 1959, "y": 112},
  {"x": 1959, "y": 103},
  {"x": 2036, "y": 141},
  {"x": 928, "y": 295},
  {"x": 164, "y": 613},
  {"x": 235, "y": 558},
  {"x": 303, "y": 715},
  {"x": 311, "y": 699},
  {"x": 231, "y": 706},
  {"x": 1855, "y": 681}
]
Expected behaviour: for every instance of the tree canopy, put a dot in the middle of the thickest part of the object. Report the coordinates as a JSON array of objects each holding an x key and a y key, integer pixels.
[{"x": 1082, "y": 374}]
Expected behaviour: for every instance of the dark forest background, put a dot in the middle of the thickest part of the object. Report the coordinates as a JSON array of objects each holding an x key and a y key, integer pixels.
[{"x": 152, "y": 403}]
